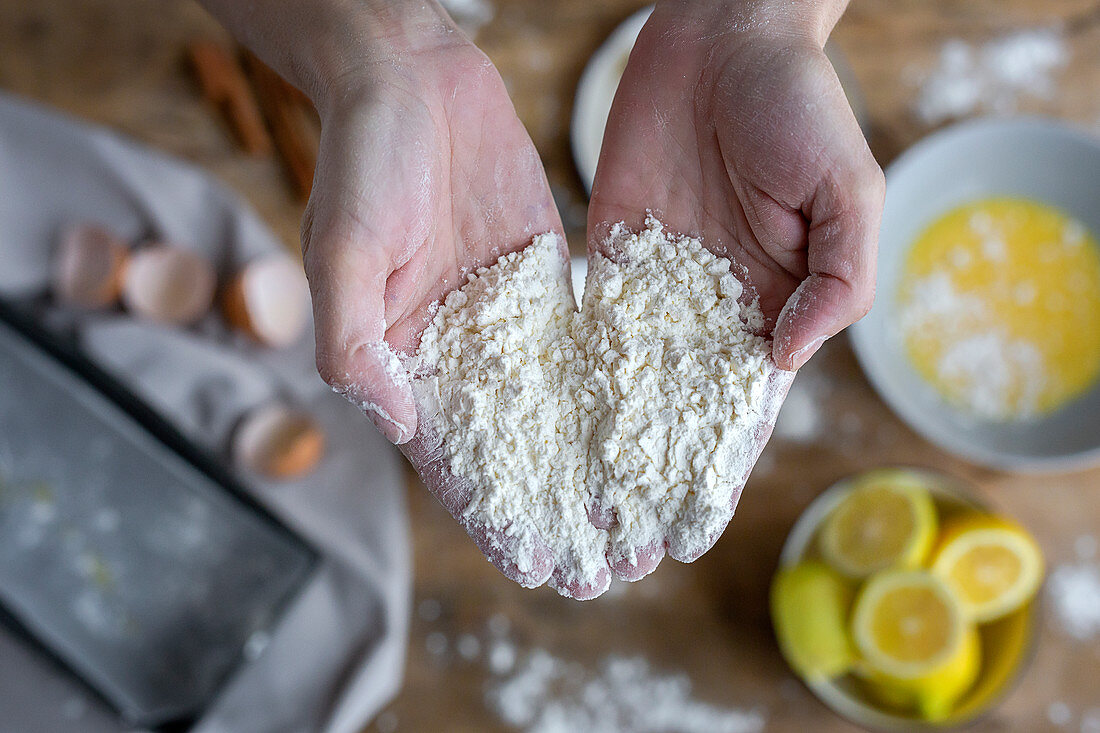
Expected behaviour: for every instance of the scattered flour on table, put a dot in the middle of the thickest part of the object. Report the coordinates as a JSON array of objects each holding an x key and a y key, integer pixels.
[
  {"x": 991, "y": 77},
  {"x": 534, "y": 691},
  {"x": 1059, "y": 714},
  {"x": 468, "y": 647},
  {"x": 386, "y": 722},
  {"x": 436, "y": 643},
  {"x": 647, "y": 401},
  {"x": 545, "y": 694},
  {"x": 800, "y": 419},
  {"x": 429, "y": 609},
  {"x": 1074, "y": 592}
]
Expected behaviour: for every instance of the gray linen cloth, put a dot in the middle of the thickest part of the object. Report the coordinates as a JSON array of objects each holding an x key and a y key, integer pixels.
[{"x": 336, "y": 656}]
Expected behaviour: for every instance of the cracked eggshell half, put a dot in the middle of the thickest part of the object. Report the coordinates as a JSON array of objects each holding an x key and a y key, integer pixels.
[
  {"x": 269, "y": 300},
  {"x": 278, "y": 442},
  {"x": 169, "y": 284},
  {"x": 88, "y": 266}
]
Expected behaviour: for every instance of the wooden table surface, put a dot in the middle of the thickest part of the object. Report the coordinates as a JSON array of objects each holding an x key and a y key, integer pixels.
[{"x": 119, "y": 63}]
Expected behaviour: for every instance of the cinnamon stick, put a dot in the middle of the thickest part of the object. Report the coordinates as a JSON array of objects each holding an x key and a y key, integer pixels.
[
  {"x": 224, "y": 86},
  {"x": 282, "y": 108}
]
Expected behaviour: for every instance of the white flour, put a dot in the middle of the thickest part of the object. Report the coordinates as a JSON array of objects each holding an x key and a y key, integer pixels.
[
  {"x": 533, "y": 691},
  {"x": 991, "y": 77},
  {"x": 1003, "y": 377},
  {"x": 800, "y": 419},
  {"x": 1074, "y": 591},
  {"x": 545, "y": 694},
  {"x": 645, "y": 403},
  {"x": 991, "y": 374},
  {"x": 1059, "y": 714}
]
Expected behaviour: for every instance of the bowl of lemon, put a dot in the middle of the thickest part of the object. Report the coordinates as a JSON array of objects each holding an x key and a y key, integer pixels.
[
  {"x": 903, "y": 604},
  {"x": 985, "y": 333}
]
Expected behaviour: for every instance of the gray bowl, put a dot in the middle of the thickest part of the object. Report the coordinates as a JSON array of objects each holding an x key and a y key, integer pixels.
[{"x": 1026, "y": 157}]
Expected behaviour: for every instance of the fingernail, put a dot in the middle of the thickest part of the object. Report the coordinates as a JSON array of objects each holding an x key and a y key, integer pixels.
[
  {"x": 800, "y": 357},
  {"x": 395, "y": 432}
]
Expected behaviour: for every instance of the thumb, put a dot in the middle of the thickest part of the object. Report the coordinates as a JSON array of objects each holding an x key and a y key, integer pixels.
[
  {"x": 348, "y": 284},
  {"x": 842, "y": 243}
]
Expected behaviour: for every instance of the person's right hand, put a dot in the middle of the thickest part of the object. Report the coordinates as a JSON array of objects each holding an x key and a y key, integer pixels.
[
  {"x": 730, "y": 124},
  {"x": 424, "y": 174}
]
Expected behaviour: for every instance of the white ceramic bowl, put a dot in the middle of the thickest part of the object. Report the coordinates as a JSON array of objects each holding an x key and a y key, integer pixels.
[
  {"x": 1025, "y": 157},
  {"x": 596, "y": 90}
]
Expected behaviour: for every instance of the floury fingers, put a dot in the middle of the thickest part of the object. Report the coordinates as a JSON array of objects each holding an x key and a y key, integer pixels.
[{"x": 643, "y": 411}]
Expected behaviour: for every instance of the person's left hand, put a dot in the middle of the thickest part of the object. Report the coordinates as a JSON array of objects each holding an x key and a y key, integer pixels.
[{"x": 730, "y": 125}]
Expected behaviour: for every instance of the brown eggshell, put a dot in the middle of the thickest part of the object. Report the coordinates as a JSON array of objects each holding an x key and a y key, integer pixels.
[
  {"x": 269, "y": 300},
  {"x": 169, "y": 284},
  {"x": 88, "y": 267},
  {"x": 278, "y": 442}
]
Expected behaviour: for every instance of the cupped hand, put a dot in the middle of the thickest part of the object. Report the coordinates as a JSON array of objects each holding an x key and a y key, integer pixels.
[
  {"x": 424, "y": 174},
  {"x": 730, "y": 124}
]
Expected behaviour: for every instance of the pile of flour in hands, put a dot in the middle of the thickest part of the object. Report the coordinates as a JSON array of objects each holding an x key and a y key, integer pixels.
[{"x": 643, "y": 412}]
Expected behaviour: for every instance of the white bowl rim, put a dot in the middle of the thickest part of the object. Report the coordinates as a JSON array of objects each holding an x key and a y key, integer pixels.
[{"x": 587, "y": 100}]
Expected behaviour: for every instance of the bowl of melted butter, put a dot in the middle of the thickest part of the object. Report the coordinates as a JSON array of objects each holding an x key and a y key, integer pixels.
[{"x": 985, "y": 334}]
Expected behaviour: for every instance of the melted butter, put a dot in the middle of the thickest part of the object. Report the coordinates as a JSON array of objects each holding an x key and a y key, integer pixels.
[{"x": 1000, "y": 307}]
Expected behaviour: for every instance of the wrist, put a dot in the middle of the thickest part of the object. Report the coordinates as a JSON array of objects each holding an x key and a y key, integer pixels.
[
  {"x": 366, "y": 41},
  {"x": 335, "y": 49},
  {"x": 812, "y": 19}
]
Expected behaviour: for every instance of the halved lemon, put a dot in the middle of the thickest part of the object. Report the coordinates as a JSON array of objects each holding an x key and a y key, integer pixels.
[
  {"x": 918, "y": 649},
  {"x": 992, "y": 565},
  {"x": 809, "y": 604},
  {"x": 886, "y": 520}
]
